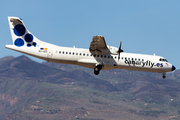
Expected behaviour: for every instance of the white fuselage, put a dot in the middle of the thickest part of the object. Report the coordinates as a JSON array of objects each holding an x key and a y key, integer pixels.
[{"x": 83, "y": 57}]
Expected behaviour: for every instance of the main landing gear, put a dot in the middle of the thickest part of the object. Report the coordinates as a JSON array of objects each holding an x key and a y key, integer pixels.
[
  {"x": 164, "y": 75},
  {"x": 97, "y": 69}
]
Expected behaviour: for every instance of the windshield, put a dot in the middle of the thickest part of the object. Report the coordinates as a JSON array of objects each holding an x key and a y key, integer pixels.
[{"x": 162, "y": 59}]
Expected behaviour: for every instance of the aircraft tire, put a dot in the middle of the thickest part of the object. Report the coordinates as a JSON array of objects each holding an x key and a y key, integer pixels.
[
  {"x": 164, "y": 76},
  {"x": 96, "y": 70}
]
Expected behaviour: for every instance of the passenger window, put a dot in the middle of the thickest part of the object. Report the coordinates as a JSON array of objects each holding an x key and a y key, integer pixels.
[
  {"x": 139, "y": 59},
  {"x": 76, "y": 53},
  {"x": 66, "y": 52},
  {"x": 73, "y": 53},
  {"x": 84, "y": 54},
  {"x": 135, "y": 59},
  {"x": 122, "y": 58},
  {"x": 79, "y": 53},
  {"x": 101, "y": 55},
  {"x": 97, "y": 55},
  {"x": 104, "y": 56},
  {"x": 59, "y": 52},
  {"x": 87, "y": 54},
  {"x": 115, "y": 57},
  {"x": 112, "y": 57},
  {"x": 142, "y": 59},
  {"x": 69, "y": 52},
  {"x": 108, "y": 56},
  {"x": 94, "y": 55},
  {"x": 63, "y": 52}
]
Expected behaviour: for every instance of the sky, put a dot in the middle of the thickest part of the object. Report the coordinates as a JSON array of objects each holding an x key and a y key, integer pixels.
[{"x": 144, "y": 26}]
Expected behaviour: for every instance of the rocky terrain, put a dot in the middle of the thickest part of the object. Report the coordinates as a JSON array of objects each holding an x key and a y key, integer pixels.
[{"x": 31, "y": 90}]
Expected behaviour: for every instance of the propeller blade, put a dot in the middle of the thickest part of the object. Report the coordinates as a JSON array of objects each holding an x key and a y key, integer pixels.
[{"x": 120, "y": 50}]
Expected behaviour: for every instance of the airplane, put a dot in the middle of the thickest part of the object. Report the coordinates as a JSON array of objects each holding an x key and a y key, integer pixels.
[{"x": 99, "y": 56}]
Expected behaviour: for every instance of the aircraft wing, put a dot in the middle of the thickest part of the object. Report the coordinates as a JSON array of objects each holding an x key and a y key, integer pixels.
[{"x": 98, "y": 45}]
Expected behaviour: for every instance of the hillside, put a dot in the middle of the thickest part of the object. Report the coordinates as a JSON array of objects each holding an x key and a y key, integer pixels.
[{"x": 31, "y": 90}]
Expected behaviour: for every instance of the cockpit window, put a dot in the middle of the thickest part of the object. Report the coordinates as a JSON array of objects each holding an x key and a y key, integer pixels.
[{"x": 162, "y": 59}]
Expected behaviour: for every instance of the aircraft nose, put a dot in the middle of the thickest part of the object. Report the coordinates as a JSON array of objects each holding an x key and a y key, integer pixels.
[{"x": 173, "y": 68}]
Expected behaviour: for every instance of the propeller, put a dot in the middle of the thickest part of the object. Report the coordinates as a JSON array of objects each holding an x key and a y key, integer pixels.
[{"x": 120, "y": 50}]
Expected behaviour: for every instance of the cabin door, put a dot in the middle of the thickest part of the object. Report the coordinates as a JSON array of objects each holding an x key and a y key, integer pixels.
[{"x": 49, "y": 54}]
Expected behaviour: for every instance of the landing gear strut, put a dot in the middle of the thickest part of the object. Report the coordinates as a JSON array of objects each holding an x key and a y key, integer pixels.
[
  {"x": 164, "y": 75},
  {"x": 97, "y": 69}
]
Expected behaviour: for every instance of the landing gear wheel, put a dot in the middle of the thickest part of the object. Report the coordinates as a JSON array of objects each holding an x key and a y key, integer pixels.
[
  {"x": 164, "y": 76},
  {"x": 96, "y": 72},
  {"x": 97, "y": 69}
]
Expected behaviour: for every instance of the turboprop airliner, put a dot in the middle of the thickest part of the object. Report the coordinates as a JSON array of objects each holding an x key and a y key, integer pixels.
[{"x": 99, "y": 56}]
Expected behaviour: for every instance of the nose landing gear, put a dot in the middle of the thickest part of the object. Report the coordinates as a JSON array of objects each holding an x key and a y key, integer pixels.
[{"x": 164, "y": 75}]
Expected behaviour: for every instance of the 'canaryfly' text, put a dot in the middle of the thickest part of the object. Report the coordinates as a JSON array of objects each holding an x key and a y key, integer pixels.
[{"x": 143, "y": 64}]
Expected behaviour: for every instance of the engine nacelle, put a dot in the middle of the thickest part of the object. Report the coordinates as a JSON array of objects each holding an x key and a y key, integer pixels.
[
  {"x": 107, "y": 66},
  {"x": 113, "y": 50}
]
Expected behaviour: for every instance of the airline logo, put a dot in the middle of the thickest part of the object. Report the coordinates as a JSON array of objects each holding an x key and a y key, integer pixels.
[
  {"x": 143, "y": 64},
  {"x": 44, "y": 50},
  {"x": 20, "y": 31}
]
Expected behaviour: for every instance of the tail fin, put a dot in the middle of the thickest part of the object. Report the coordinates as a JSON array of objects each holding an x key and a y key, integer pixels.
[{"x": 20, "y": 35}]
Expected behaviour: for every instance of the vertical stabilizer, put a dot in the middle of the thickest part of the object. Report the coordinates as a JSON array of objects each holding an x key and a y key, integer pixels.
[{"x": 20, "y": 35}]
